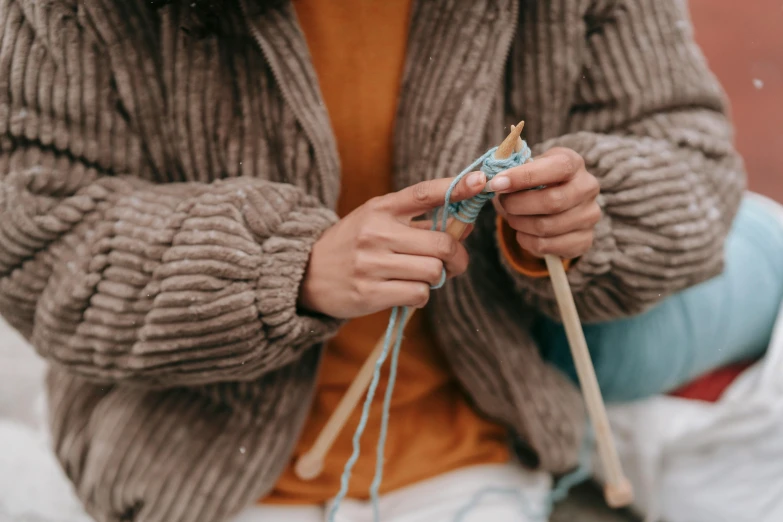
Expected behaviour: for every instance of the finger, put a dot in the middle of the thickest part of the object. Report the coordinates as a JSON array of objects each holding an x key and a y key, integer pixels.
[
  {"x": 551, "y": 200},
  {"x": 422, "y": 224},
  {"x": 583, "y": 216},
  {"x": 426, "y": 224},
  {"x": 401, "y": 293},
  {"x": 403, "y": 267},
  {"x": 427, "y": 243},
  {"x": 567, "y": 246},
  {"x": 545, "y": 170},
  {"x": 423, "y": 197}
]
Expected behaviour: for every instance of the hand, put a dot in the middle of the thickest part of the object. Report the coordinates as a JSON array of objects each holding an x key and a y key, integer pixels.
[
  {"x": 558, "y": 219},
  {"x": 376, "y": 258}
]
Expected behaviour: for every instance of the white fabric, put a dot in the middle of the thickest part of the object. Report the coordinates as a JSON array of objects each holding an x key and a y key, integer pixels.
[
  {"x": 691, "y": 461},
  {"x": 33, "y": 487},
  {"x": 437, "y": 500}
]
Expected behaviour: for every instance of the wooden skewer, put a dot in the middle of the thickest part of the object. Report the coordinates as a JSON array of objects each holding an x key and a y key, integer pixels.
[{"x": 617, "y": 491}]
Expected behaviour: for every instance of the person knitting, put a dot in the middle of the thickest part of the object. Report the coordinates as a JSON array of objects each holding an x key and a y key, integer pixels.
[{"x": 208, "y": 209}]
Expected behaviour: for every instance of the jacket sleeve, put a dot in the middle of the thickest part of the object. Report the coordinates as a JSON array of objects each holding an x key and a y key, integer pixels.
[
  {"x": 117, "y": 278},
  {"x": 650, "y": 121}
]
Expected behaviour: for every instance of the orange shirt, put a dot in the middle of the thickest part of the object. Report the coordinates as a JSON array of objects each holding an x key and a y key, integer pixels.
[{"x": 358, "y": 48}]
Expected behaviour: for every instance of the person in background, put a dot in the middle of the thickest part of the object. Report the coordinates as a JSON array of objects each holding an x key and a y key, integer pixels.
[{"x": 208, "y": 208}]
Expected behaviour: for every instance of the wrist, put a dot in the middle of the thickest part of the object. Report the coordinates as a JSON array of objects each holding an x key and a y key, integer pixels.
[{"x": 306, "y": 295}]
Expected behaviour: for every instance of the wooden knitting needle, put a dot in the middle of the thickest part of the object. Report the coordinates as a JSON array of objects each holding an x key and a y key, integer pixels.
[
  {"x": 310, "y": 464},
  {"x": 618, "y": 491}
]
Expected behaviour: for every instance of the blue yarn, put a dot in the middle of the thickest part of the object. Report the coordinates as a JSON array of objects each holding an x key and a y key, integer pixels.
[
  {"x": 379, "y": 459},
  {"x": 346, "y": 476},
  {"x": 466, "y": 211}
]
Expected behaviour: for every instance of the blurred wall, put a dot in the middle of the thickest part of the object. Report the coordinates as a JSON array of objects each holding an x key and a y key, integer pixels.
[{"x": 743, "y": 42}]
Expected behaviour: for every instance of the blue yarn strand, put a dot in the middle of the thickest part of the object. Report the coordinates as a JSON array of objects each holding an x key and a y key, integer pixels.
[
  {"x": 379, "y": 458},
  {"x": 376, "y": 377},
  {"x": 466, "y": 211}
]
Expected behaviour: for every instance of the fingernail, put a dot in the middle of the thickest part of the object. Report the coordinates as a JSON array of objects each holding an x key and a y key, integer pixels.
[
  {"x": 476, "y": 179},
  {"x": 499, "y": 183}
]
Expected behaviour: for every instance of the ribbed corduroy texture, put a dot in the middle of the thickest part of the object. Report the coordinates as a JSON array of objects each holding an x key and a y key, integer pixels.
[{"x": 161, "y": 189}]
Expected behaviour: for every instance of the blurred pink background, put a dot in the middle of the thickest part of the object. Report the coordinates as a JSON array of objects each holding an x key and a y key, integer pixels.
[{"x": 743, "y": 42}]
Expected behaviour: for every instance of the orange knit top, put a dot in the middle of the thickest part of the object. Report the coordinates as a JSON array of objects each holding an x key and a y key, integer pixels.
[{"x": 358, "y": 49}]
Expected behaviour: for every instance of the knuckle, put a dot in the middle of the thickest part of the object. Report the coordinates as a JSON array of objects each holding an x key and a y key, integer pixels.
[
  {"x": 593, "y": 187},
  {"x": 566, "y": 163},
  {"x": 358, "y": 292},
  {"x": 570, "y": 159},
  {"x": 361, "y": 264},
  {"x": 434, "y": 271},
  {"x": 555, "y": 200},
  {"x": 420, "y": 295},
  {"x": 527, "y": 178},
  {"x": 542, "y": 246},
  {"x": 595, "y": 213},
  {"x": 538, "y": 246},
  {"x": 366, "y": 235},
  {"x": 376, "y": 203},
  {"x": 577, "y": 160},
  {"x": 421, "y": 192},
  {"x": 445, "y": 246},
  {"x": 587, "y": 243},
  {"x": 580, "y": 247},
  {"x": 382, "y": 232},
  {"x": 542, "y": 227}
]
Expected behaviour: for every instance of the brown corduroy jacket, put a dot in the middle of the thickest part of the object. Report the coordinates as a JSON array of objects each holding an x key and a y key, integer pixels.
[{"x": 161, "y": 188}]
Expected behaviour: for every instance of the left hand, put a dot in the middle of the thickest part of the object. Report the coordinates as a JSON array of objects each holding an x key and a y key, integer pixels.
[{"x": 558, "y": 219}]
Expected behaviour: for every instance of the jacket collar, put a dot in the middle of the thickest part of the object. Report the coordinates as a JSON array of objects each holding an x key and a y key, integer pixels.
[{"x": 454, "y": 65}]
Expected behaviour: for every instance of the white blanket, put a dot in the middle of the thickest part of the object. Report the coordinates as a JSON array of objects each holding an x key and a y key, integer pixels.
[
  {"x": 691, "y": 461},
  {"x": 33, "y": 487}
]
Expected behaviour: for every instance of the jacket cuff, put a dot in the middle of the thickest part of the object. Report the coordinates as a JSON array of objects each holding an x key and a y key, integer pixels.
[{"x": 518, "y": 258}]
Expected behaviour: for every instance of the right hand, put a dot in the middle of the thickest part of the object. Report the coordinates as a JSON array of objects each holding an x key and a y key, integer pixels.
[{"x": 374, "y": 259}]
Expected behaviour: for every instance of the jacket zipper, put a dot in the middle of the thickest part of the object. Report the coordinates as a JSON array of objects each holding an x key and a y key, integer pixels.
[
  {"x": 498, "y": 76},
  {"x": 321, "y": 152}
]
